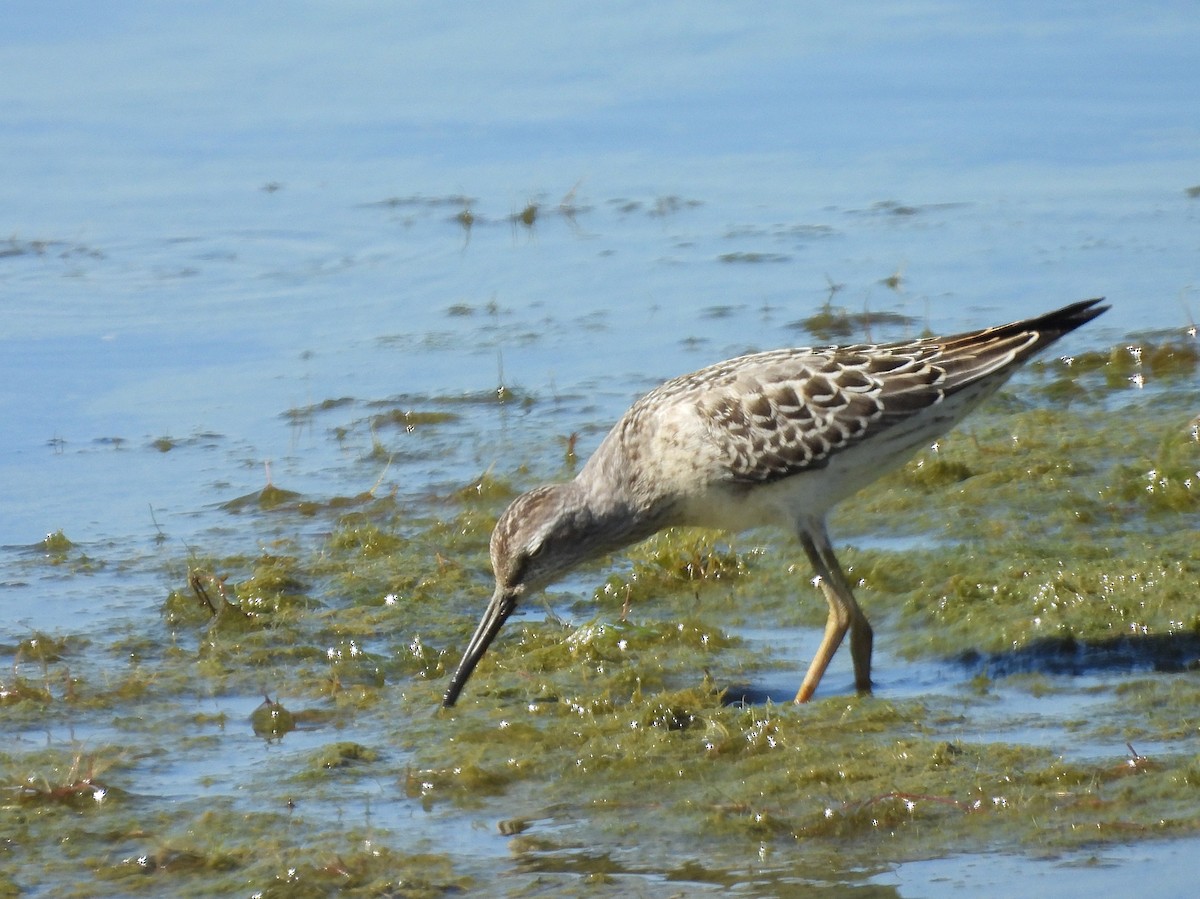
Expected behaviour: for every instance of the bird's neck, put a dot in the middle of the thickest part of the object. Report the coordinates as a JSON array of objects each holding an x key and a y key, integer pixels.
[{"x": 615, "y": 513}]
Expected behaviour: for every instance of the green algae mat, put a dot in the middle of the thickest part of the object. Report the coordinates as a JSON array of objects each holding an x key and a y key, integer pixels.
[{"x": 273, "y": 728}]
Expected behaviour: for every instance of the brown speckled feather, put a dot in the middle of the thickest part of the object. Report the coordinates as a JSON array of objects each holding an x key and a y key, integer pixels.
[{"x": 782, "y": 412}]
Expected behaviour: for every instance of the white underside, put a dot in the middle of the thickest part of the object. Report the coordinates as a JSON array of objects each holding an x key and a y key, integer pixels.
[{"x": 801, "y": 502}]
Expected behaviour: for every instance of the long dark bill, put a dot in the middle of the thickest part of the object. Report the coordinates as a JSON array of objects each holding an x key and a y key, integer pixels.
[{"x": 494, "y": 617}]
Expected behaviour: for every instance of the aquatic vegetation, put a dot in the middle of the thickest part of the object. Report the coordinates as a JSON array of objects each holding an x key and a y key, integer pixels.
[
  {"x": 57, "y": 546},
  {"x": 271, "y": 720},
  {"x": 79, "y": 786},
  {"x": 303, "y": 415},
  {"x": 832, "y": 323},
  {"x": 750, "y": 257},
  {"x": 15, "y": 247},
  {"x": 1038, "y": 545},
  {"x": 675, "y": 560},
  {"x": 410, "y": 419}
]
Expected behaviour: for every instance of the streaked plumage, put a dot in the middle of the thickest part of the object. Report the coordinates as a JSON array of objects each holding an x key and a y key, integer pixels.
[{"x": 770, "y": 438}]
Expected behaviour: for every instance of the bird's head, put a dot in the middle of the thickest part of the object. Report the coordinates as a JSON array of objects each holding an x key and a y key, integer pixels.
[{"x": 540, "y": 537}]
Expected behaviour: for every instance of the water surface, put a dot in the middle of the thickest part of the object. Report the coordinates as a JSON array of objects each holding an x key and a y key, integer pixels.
[{"x": 237, "y": 235}]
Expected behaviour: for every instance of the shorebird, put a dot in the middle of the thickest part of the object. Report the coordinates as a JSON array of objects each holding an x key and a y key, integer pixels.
[{"x": 770, "y": 438}]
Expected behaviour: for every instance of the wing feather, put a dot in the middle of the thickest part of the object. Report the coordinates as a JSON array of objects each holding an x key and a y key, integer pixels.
[{"x": 774, "y": 414}]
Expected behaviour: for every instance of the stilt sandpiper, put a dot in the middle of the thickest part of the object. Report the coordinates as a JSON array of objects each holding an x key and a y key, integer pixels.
[{"x": 771, "y": 438}]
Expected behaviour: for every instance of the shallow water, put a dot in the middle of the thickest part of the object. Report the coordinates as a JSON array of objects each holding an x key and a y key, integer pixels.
[
  {"x": 1162, "y": 868},
  {"x": 236, "y": 237}
]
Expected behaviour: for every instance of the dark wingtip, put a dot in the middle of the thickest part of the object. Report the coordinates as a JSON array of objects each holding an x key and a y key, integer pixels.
[
  {"x": 1048, "y": 327},
  {"x": 1068, "y": 318}
]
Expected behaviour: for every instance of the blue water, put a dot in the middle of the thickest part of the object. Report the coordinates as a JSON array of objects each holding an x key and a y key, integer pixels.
[{"x": 219, "y": 212}]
